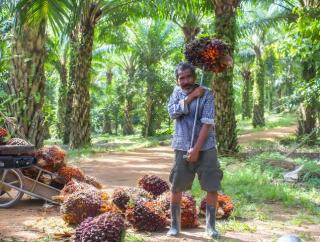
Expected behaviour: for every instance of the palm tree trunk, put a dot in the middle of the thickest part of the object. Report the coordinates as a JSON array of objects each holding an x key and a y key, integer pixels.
[
  {"x": 74, "y": 43},
  {"x": 80, "y": 121},
  {"x": 81, "y": 106},
  {"x": 258, "y": 94},
  {"x": 225, "y": 28},
  {"x": 308, "y": 110},
  {"x": 27, "y": 83},
  {"x": 148, "y": 125},
  {"x": 63, "y": 88},
  {"x": 190, "y": 32},
  {"x": 246, "y": 94},
  {"x": 128, "y": 126}
]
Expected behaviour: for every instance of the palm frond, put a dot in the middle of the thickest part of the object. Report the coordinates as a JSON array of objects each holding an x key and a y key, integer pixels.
[{"x": 37, "y": 11}]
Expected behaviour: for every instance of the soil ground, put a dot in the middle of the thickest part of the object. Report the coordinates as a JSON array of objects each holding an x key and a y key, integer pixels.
[{"x": 31, "y": 220}]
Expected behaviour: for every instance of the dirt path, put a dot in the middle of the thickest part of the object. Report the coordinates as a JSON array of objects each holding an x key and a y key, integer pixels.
[{"x": 28, "y": 221}]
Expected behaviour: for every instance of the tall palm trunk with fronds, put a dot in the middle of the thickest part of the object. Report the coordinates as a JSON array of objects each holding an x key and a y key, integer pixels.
[
  {"x": 308, "y": 110},
  {"x": 27, "y": 83},
  {"x": 80, "y": 120},
  {"x": 149, "y": 126},
  {"x": 63, "y": 88},
  {"x": 225, "y": 28},
  {"x": 258, "y": 91},
  {"x": 74, "y": 43},
  {"x": 246, "y": 93}
]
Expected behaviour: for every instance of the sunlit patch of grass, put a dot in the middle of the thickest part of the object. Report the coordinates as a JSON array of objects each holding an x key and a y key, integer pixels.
[
  {"x": 233, "y": 225},
  {"x": 302, "y": 219},
  {"x": 132, "y": 237},
  {"x": 271, "y": 120}
]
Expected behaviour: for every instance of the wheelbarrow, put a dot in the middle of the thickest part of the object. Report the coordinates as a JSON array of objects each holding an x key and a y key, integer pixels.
[{"x": 14, "y": 184}]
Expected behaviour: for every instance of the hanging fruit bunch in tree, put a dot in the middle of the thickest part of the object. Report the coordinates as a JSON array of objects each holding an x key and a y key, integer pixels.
[
  {"x": 105, "y": 227},
  {"x": 153, "y": 184},
  {"x": 225, "y": 206},
  {"x": 212, "y": 54},
  {"x": 147, "y": 216}
]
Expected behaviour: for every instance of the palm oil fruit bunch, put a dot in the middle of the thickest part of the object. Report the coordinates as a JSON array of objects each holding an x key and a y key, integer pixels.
[
  {"x": 164, "y": 202},
  {"x": 74, "y": 186},
  {"x": 50, "y": 158},
  {"x": 210, "y": 54},
  {"x": 3, "y": 134},
  {"x": 146, "y": 216},
  {"x": 80, "y": 205},
  {"x": 68, "y": 173},
  {"x": 108, "y": 226},
  {"x": 189, "y": 213},
  {"x": 224, "y": 206},
  {"x": 17, "y": 141},
  {"x": 122, "y": 197},
  {"x": 153, "y": 184}
]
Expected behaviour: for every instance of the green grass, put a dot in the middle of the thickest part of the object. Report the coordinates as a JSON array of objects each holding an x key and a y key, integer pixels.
[
  {"x": 254, "y": 184},
  {"x": 132, "y": 237},
  {"x": 271, "y": 121}
]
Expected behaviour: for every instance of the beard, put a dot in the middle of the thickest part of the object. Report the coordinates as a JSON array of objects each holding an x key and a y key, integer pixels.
[{"x": 187, "y": 88}]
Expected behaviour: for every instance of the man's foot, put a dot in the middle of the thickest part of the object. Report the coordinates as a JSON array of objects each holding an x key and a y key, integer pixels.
[
  {"x": 211, "y": 222},
  {"x": 175, "y": 212},
  {"x": 212, "y": 233},
  {"x": 173, "y": 232}
]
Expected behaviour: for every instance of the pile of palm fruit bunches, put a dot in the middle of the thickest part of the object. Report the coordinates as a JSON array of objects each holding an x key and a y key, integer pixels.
[
  {"x": 100, "y": 217},
  {"x": 209, "y": 54}
]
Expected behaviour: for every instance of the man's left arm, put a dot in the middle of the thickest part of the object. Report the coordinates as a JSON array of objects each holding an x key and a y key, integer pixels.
[{"x": 207, "y": 120}]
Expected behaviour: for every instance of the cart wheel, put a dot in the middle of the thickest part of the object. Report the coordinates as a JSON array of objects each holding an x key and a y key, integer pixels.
[{"x": 9, "y": 195}]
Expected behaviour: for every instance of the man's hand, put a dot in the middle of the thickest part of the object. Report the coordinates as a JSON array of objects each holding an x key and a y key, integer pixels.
[
  {"x": 197, "y": 92},
  {"x": 193, "y": 155}
]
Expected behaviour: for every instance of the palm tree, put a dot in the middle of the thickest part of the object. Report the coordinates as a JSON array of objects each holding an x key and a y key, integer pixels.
[
  {"x": 27, "y": 82},
  {"x": 153, "y": 42},
  {"x": 226, "y": 29},
  {"x": 57, "y": 56}
]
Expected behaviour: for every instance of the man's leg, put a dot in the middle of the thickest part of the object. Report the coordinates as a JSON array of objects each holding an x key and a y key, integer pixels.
[
  {"x": 212, "y": 199},
  {"x": 175, "y": 211}
]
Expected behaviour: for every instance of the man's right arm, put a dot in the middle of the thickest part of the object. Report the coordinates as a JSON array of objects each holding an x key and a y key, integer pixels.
[{"x": 177, "y": 106}]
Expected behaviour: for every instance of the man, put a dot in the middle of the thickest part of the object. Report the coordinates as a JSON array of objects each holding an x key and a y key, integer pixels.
[{"x": 202, "y": 157}]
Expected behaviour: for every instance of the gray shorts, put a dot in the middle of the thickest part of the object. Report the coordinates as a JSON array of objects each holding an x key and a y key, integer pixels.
[{"x": 207, "y": 169}]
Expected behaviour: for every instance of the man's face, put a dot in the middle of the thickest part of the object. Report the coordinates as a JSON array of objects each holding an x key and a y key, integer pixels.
[{"x": 186, "y": 80}]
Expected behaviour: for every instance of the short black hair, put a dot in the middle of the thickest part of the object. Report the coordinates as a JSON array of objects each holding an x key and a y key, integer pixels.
[{"x": 185, "y": 66}]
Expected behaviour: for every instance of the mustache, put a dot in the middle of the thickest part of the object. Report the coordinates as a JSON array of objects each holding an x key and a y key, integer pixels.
[{"x": 187, "y": 86}]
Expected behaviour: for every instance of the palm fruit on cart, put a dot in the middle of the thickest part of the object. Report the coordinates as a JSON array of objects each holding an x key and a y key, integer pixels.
[
  {"x": 224, "y": 208},
  {"x": 121, "y": 197},
  {"x": 17, "y": 141},
  {"x": 3, "y": 134},
  {"x": 51, "y": 158},
  {"x": 146, "y": 216},
  {"x": 92, "y": 181},
  {"x": 153, "y": 184},
  {"x": 68, "y": 173},
  {"x": 80, "y": 205},
  {"x": 105, "y": 227},
  {"x": 210, "y": 54},
  {"x": 74, "y": 186}
]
